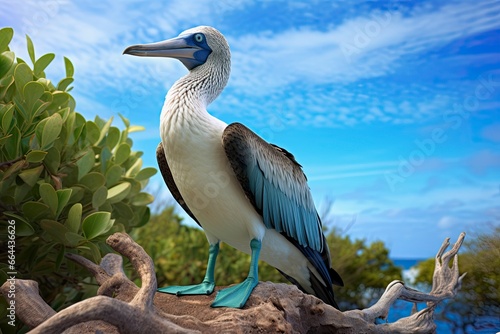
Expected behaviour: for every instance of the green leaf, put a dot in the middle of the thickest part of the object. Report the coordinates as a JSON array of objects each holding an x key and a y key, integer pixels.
[
  {"x": 12, "y": 144},
  {"x": 63, "y": 196},
  {"x": 119, "y": 192},
  {"x": 136, "y": 187},
  {"x": 6, "y": 35},
  {"x": 32, "y": 92},
  {"x": 52, "y": 160},
  {"x": 14, "y": 168},
  {"x": 136, "y": 128},
  {"x": 39, "y": 131},
  {"x": 104, "y": 130},
  {"x": 60, "y": 99},
  {"x": 20, "y": 193},
  {"x": 31, "y": 176},
  {"x": 74, "y": 218},
  {"x": 22, "y": 75},
  {"x": 40, "y": 108},
  {"x": 73, "y": 239},
  {"x": 96, "y": 224},
  {"x": 23, "y": 228},
  {"x": 105, "y": 158},
  {"x": 142, "y": 199},
  {"x": 69, "y": 68},
  {"x": 64, "y": 83},
  {"x": 6, "y": 63},
  {"x": 123, "y": 210},
  {"x": 47, "y": 85},
  {"x": 49, "y": 196},
  {"x": 35, "y": 156},
  {"x": 136, "y": 167},
  {"x": 31, "y": 49},
  {"x": 92, "y": 250},
  {"x": 42, "y": 63},
  {"x": 15, "y": 216},
  {"x": 144, "y": 218},
  {"x": 79, "y": 126},
  {"x": 34, "y": 210},
  {"x": 92, "y": 132},
  {"x": 55, "y": 229},
  {"x": 125, "y": 120},
  {"x": 122, "y": 153},
  {"x": 99, "y": 121},
  {"x": 65, "y": 114},
  {"x": 71, "y": 101},
  {"x": 51, "y": 130},
  {"x": 145, "y": 173},
  {"x": 113, "y": 175},
  {"x": 106, "y": 207},
  {"x": 113, "y": 137},
  {"x": 85, "y": 163},
  {"x": 93, "y": 181},
  {"x": 7, "y": 118},
  {"x": 99, "y": 197}
]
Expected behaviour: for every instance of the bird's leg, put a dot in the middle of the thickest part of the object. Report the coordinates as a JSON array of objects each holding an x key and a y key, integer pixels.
[
  {"x": 204, "y": 288},
  {"x": 237, "y": 295}
]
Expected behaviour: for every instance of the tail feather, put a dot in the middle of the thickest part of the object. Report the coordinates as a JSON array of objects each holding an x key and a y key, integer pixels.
[
  {"x": 321, "y": 262},
  {"x": 336, "y": 279},
  {"x": 325, "y": 293}
]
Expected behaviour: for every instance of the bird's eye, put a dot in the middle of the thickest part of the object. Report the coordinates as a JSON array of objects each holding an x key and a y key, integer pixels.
[{"x": 198, "y": 38}]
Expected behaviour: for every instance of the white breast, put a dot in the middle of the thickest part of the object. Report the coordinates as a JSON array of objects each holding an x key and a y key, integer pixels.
[{"x": 205, "y": 179}]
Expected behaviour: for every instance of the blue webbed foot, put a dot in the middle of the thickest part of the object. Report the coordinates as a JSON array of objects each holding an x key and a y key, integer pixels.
[
  {"x": 204, "y": 288},
  {"x": 235, "y": 296}
]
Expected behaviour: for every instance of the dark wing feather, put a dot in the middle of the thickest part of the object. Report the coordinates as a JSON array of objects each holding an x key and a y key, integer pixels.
[{"x": 276, "y": 186}]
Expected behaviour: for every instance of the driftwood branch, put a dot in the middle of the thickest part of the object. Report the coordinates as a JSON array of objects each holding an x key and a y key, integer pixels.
[{"x": 122, "y": 307}]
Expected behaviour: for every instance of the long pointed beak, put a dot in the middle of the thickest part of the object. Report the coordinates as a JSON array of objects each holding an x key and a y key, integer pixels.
[{"x": 172, "y": 48}]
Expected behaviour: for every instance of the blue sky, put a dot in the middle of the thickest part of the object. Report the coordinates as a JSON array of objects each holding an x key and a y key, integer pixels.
[{"x": 392, "y": 108}]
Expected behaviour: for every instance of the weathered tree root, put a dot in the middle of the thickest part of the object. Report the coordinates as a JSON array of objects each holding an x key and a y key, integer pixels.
[
  {"x": 271, "y": 307},
  {"x": 445, "y": 284}
]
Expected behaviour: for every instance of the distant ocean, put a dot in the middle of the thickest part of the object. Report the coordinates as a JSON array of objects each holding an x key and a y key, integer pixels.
[
  {"x": 406, "y": 263},
  {"x": 402, "y": 309}
]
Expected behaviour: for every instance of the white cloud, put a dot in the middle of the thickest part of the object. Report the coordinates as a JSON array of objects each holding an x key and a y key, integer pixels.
[
  {"x": 305, "y": 67},
  {"x": 318, "y": 56},
  {"x": 270, "y": 69},
  {"x": 447, "y": 222}
]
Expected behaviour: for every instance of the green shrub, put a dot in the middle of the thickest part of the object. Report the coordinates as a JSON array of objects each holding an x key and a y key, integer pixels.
[{"x": 66, "y": 182}]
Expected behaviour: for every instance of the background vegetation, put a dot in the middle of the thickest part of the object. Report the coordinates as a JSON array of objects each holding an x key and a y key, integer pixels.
[{"x": 67, "y": 182}]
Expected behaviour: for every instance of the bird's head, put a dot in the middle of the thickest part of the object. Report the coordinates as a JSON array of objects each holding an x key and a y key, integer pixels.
[{"x": 193, "y": 47}]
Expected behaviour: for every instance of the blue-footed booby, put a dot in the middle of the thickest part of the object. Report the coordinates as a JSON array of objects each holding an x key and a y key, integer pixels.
[{"x": 241, "y": 190}]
